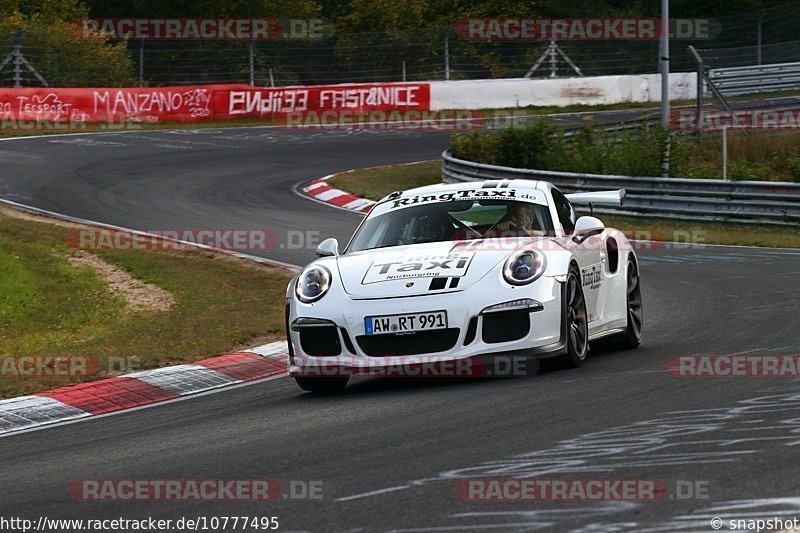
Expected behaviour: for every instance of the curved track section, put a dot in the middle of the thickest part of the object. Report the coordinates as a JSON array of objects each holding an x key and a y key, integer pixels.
[
  {"x": 389, "y": 453},
  {"x": 240, "y": 178}
]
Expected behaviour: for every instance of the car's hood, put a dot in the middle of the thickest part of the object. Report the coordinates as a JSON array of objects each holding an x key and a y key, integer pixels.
[{"x": 425, "y": 268}]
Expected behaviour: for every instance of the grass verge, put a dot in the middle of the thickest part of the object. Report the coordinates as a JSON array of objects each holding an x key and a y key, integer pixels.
[
  {"x": 52, "y": 308},
  {"x": 376, "y": 182}
]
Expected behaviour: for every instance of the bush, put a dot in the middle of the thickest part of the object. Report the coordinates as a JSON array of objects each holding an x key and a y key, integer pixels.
[
  {"x": 475, "y": 146},
  {"x": 637, "y": 154},
  {"x": 541, "y": 145},
  {"x": 748, "y": 171},
  {"x": 534, "y": 144},
  {"x": 794, "y": 166},
  {"x": 759, "y": 156},
  {"x": 586, "y": 153}
]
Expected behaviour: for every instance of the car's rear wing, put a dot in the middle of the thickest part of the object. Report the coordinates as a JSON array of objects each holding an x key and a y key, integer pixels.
[{"x": 600, "y": 197}]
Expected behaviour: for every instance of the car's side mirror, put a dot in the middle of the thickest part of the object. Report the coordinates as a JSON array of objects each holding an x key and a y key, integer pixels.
[
  {"x": 328, "y": 248},
  {"x": 586, "y": 227}
]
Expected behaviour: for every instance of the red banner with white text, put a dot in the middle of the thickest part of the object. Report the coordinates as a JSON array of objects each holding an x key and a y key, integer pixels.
[
  {"x": 201, "y": 102},
  {"x": 360, "y": 97}
]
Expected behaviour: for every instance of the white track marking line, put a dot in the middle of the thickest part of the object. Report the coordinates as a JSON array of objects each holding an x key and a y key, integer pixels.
[{"x": 373, "y": 493}]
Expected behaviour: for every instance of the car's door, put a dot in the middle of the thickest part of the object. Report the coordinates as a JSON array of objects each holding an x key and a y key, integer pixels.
[{"x": 590, "y": 256}]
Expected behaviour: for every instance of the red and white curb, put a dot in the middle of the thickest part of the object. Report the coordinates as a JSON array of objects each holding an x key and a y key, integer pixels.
[
  {"x": 320, "y": 190},
  {"x": 141, "y": 388}
]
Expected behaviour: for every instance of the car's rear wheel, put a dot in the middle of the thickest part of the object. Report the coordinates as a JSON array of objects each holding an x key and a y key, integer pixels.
[
  {"x": 322, "y": 384},
  {"x": 577, "y": 324}
]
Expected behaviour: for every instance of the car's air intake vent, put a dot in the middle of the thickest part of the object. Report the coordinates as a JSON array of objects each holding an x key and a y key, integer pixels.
[
  {"x": 320, "y": 341},
  {"x": 505, "y": 326}
]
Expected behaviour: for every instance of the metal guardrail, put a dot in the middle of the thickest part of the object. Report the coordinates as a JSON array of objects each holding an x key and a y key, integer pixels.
[
  {"x": 688, "y": 199},
  {"x": 755, "y": 79}
]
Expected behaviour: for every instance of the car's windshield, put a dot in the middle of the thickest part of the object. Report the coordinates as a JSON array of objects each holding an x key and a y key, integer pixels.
[{"x": 454, "y": 220}]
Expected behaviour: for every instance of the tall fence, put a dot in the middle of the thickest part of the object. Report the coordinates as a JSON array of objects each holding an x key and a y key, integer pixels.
[
  {"x": 688, "y": 199},
  {"x": 420, "y": 54}
]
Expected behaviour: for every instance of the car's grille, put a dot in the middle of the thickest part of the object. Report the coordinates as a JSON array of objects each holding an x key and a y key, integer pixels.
[
  {"x": 320, "y": 341},
  {"x": 421, "y": 342},
  {"x": 505, "y": 326}
]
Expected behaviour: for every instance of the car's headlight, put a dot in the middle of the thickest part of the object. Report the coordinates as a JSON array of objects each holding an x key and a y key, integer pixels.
[
  {"x": 524, "y": 267},
  {"x": 312, "y": 284}
]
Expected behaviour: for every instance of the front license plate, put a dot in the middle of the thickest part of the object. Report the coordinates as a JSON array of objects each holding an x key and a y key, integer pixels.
[{"x": 379, "y": 325}]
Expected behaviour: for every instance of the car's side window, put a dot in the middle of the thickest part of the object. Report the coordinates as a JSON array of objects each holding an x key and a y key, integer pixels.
[{"x": 565, "y": 211}]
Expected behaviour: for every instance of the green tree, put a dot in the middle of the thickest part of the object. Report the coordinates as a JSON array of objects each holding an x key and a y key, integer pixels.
[{"x": 55, "y": 46}]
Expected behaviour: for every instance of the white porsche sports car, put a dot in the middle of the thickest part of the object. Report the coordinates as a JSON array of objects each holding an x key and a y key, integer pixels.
[{"x": 455, "y": 271}]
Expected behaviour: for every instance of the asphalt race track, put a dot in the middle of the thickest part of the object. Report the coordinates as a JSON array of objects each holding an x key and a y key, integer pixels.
[{"x": 389, "y": 453}]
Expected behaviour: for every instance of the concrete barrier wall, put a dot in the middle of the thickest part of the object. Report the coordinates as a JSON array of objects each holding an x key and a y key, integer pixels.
[
  {"x": 521, "y": 92},
  {"x": 68, "y": 107}
]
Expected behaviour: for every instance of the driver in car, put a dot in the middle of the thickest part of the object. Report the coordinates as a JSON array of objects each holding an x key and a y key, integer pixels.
[{"x": 519, "y": 216}]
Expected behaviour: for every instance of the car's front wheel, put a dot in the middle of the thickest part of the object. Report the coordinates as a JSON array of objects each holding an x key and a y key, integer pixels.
[
  {"x": 322, "y": 384},
  {"x": 577, "y": 323}
]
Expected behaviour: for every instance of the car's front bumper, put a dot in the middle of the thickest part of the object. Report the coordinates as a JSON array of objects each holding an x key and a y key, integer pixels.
[{"x": 336, "y": 343}]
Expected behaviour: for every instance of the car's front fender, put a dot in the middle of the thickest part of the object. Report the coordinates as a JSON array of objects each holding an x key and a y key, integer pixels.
[{"x": 558, "y": 262}]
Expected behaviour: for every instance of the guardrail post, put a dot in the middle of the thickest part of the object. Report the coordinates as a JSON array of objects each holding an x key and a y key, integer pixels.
[{"x": 725, "y": 153}]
